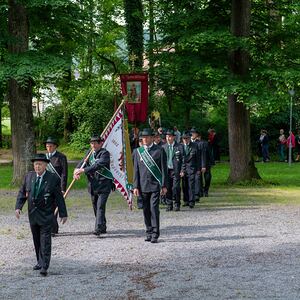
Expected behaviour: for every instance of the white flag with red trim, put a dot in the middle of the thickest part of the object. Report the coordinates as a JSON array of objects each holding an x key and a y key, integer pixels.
[{"x": 114, "y": 142}]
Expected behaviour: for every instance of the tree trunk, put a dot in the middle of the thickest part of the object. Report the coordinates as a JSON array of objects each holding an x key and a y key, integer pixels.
[
  {"x": 241, "y": 161},
  {"x": 20, "y": 97},
  {"x": 150, "y": 50},
  {"x": 135, "y": 33}
]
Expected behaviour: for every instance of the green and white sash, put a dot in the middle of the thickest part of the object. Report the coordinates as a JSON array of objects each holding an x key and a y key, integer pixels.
[
  {"x": 51, "y": 168},
  {"x": 105, "y": 172},
  {"x": 150, "y": 164}
]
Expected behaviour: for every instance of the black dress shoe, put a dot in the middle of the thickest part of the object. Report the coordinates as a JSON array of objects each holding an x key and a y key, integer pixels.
[
  {"x": 154, "y": 239},
  {"x": 191, "y": 205},
  {"x": 197, "y": 199},
  {"x": 148, "y": 238},
  {"x": 96, "y": 232},
  {"x": 43, "y": 272},
  {"x": 37, "y": 267},
  {"x": 185, "y": 204},
  {"x": 177, "y": 208}
]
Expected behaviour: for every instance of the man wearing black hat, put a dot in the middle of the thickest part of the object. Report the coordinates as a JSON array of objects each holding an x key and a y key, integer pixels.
[
  {"x": 58, "y": 165},
  {"x": 42, "y": 190},
  {"x": 150, "y": 180},
  {"x": 174, "y": 153},
  {"x": 97, "y": 170},
  {"x": 190, "y": 168}
]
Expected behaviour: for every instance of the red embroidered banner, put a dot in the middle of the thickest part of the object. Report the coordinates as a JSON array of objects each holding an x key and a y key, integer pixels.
[{"x": 135, "y": 88}]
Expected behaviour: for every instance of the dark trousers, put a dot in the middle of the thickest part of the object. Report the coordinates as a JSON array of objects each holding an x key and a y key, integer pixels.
[
  {"x": 99, "y": 206},
  {"x": 188, "y": 186},
  {"x": 42, "y": 243},
  {"x": 173, "y": 188},
  {"x": 198, "y": 188},
  {"x": 205, "y": 180},
  {"x": 55, "y": 224},
  {"x": 151, "y": 212}
]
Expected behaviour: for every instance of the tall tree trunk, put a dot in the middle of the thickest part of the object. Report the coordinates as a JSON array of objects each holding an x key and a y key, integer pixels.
[
  {"x": 150, "y": 50},
  {"x": 20, "y": 97},
  {"x": 135, "y": 34},
  {"x": 241, "y": 161}
]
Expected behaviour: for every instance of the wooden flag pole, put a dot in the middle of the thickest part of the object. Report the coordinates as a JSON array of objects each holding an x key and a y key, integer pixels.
[{"x": 89, "y": 154}]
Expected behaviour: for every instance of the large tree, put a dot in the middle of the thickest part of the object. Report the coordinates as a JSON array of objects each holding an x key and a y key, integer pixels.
[
  {"x": 241, "y": 160},
  {"x": 20, "y": 95}
]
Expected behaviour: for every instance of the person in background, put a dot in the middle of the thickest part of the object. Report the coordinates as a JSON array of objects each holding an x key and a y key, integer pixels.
[
  {"x": 174, "y": 153},
  {"x": 281, "y": 145},
  {"x": 297, "y": 144},
  {"x": 58, "y": 165},
  {"x": 190, "y": 168},
  {"x": 177, "y": 135},
  {"x": 264, "y": 142},
  {"x": 290, "y": 144},
  {"x": 214, "y": 141},
  {"x": 42, "y": 190}
]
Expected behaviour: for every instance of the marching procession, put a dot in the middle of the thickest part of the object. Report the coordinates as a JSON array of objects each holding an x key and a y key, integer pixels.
[{"x": 163, "y": 170}]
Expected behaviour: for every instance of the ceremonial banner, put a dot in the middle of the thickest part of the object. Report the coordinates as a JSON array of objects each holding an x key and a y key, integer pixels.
[
  {"x": 114, "y": 142},
  {"x": 135, "y": 88}
]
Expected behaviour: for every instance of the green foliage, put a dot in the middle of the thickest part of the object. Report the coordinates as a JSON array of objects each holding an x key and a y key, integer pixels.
[
  {"x": 50, "y": 123},
  {"x": 92, "y": 108}
]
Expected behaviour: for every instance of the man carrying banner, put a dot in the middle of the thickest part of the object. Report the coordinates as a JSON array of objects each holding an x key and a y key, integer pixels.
[
  {"x": 150, "y": 180},
  {"x": 97, "y": 170},
  {"x": 58, "y": 165}
]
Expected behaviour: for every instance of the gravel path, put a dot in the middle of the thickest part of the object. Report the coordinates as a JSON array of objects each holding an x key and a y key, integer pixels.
[{"x": 228, "y": 253}]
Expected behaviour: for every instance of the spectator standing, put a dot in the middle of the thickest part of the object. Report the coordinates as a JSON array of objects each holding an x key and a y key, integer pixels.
[
  {"x": 281, "y": 145},
  {"x": 264, "y": 142},
  {"x": 290, "y": 143},
  {"x": 297, "y": 142}
]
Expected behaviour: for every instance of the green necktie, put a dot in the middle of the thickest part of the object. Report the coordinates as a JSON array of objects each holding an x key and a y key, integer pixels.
[
  {"x": 92, "y": 158},
  {"x": 37, "y": 186},
  {"x": 186, "y": 149},
  {"x": 170, "y": 157}
]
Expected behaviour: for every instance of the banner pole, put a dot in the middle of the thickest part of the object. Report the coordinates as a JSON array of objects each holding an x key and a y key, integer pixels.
[{"x": 89, "y": 154}]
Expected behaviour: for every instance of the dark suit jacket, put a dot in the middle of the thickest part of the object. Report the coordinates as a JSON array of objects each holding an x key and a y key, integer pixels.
[
  {"x": 143, "y": 180},
  {"x": 204, "y": 153},
  {"x": 98, "y": 184},
  {"x": 59, "y": 162},
  {"x": 191, "y": 161},
  {"x": 177, "y": 159},
  {"x": 40, "y": 210}
]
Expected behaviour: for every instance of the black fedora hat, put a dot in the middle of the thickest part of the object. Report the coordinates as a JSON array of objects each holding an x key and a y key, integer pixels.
[
  {"x": 96, "y": 138},
  {"x": 146, "y": 132},
  {"x": 194, "y": 130},
  {"x": 51, "y": 140},
  {"x": 40, "y": 157},
  {"x": 170, "y": 132},
  {"x": 186, "y": 134}
]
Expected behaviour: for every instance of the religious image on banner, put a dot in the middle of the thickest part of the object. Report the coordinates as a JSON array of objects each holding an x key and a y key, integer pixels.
[
  {"x": 134, "y": 91},
  {"x": 134, "y": 88},
  {"x": 115, "y": 143}
]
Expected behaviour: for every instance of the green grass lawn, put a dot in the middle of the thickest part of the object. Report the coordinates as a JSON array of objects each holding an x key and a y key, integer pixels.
[{"x": 280, "y": 185}]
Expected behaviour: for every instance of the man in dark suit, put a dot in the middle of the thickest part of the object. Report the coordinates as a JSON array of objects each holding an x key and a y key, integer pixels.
[
  {"x": 58, "y": 165},
  {"x": 174, "y": 153},
  {"x": 42, "y": 190},
  {"x": 97, "y": 170},
  {"x": 205, "y": 166},
  {"x": 190, "y": 168},
  {"x": 150, "y": 180}
]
